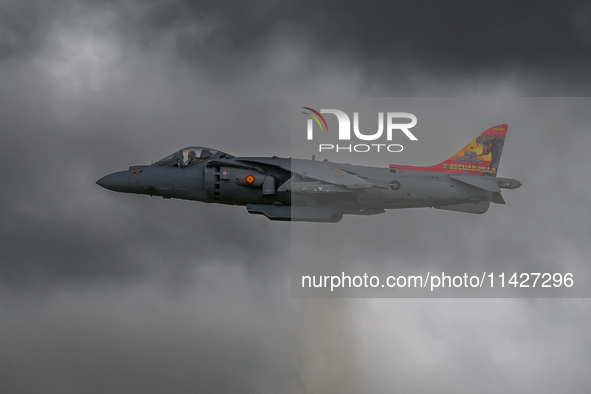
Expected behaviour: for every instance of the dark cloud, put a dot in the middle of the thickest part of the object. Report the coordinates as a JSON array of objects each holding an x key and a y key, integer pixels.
[
  {"x": 109, "y": 292},
  {"x": 23, "y": 27},
  {"x": 389, "y": 44},
  {"x": 143, "y": 338}
]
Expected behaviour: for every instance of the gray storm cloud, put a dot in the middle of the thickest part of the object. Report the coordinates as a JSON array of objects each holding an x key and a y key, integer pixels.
[{"x": 107, "y": 292}]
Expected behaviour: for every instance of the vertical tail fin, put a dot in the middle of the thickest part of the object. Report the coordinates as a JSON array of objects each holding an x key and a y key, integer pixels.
[{"x": 480, "y": 157}]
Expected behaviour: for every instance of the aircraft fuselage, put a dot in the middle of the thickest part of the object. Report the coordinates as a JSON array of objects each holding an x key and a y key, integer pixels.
[
  {"x": 322, "y": 191},
  {"x": 223, "y": 181}
]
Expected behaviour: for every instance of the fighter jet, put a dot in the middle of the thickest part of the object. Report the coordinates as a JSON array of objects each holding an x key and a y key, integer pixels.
[{"x": 322, "y": 191}]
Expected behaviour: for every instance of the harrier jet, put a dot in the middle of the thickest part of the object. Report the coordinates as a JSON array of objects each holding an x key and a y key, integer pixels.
[{"x": 323, "y": 191}]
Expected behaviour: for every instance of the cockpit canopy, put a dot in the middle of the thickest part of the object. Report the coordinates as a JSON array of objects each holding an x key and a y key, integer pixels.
[{"x": 188, "y": 156}]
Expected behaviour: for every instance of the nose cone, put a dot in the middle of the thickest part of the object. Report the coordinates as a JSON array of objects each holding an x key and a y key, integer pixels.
[{"x": 117, "y": 181}]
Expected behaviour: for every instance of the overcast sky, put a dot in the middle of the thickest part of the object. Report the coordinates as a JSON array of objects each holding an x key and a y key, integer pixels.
[{"x": 106, "y": 292}]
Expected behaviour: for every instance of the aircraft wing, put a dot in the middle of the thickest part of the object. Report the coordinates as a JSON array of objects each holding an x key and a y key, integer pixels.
[
  {"x": 323, "y": 171},
  {"x": 328, "y": 172},
  {"x": 344, "y": 176}
]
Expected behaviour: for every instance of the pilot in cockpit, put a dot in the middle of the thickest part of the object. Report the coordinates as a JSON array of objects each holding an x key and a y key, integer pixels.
[{"x": 192, "y": 157}]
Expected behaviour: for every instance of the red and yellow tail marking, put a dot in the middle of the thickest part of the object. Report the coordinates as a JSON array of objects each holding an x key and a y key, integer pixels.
[{"x": 474, "y": 158}]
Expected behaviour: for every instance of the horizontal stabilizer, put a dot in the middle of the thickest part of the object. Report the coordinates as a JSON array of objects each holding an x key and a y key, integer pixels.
[
  {"x": 483, "y": 183},
  {"x": 497, "y": 198}
]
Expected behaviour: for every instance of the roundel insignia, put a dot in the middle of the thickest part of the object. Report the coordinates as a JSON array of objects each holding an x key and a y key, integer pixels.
[
  {"x": 249, "y": 179},
  {"x": 394, "y": 185}
]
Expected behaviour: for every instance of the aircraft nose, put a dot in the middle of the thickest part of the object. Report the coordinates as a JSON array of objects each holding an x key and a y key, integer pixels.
[{"x": 117, "y": 181}]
